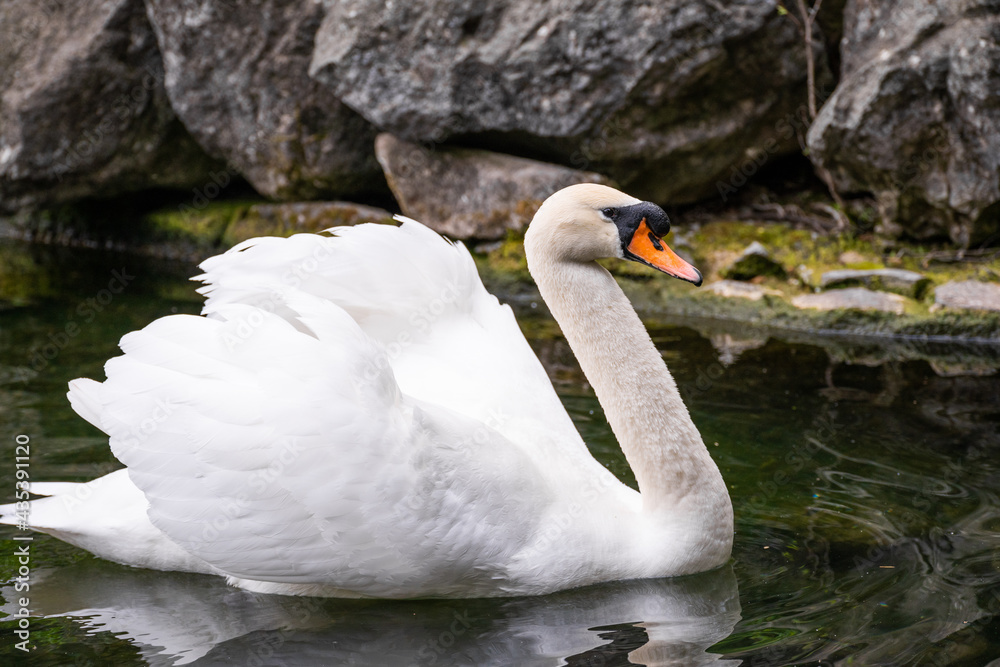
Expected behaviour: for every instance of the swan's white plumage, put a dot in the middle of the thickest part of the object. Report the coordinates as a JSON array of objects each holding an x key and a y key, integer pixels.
[
  {"x": 107, "y": 516},
  {"x": 281, "y": 420},
  {"x": 421, "y": 298},
  {"x": 356, "y": 415}
]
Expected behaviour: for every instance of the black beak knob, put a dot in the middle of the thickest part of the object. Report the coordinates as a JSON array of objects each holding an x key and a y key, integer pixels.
[{"x": 657, "y": 220}]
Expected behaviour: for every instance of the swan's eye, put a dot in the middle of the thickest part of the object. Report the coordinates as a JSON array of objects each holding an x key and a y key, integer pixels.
[{"x": 610, "y": 213}]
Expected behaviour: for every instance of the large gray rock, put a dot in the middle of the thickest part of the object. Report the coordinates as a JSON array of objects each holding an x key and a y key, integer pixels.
[
  {"x": 470, "y": 193},
  {"x": 854, "y": 298},
  {"x": 907, "y": 283},
  {"x": 968, "y": 295},
  {"x": 285, "y": 219},
  {"x": 83, "y": 111},
  {"x": 237, "y": 75},
  {"x": 668, "y": 98},
  {"x": 741, "y": 290},
  {"x": 916, "y": 119},
  {"x": 754, "y": 261}
]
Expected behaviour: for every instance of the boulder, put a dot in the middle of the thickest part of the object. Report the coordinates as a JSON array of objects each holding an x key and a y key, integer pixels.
[
  {"x": 237, "y": 76},
  {"x": 468, "y": 193},
  {"x": 286, "y": 219},
  {"x": 854, "y": 298},
  {"x": 83, "y": 110},
  {"x": 968, "y": 295},
  {"x": 740, "y": 290},
  {"x": 755, "y": 261},
  {"x": 907, "y": 283},
  {"x": 915, "y": 118},
  {"x": 673, "y": 99},
  {"x": 191, "y": 235}
]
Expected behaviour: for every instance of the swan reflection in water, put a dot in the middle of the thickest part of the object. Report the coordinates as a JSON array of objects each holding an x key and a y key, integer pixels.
[{"x": 187, "y": 619}]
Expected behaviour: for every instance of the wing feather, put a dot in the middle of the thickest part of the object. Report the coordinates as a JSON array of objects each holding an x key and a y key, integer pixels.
[
  {"x": 294, "y": 457},
  {"x": 448, "y": 341},
  {"x": 353, "y": 409}
]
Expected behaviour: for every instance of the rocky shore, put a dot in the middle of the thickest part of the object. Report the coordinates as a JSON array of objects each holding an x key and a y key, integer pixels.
[
  {"x": 678, "y": 102},
  {"x": 773, "y": 274},
  {"x": 197, "y": 125}
]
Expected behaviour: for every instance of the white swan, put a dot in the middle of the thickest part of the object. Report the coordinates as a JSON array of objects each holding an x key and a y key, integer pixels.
[{"x": 356, "y": 416}]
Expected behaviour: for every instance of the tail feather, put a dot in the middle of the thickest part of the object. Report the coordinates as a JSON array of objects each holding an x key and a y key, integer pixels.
[
  {"x": 8, "y": 512},
  {"x": 85, "y": 398},
  {"x": 54, "y": 488},
  {"x": 107, "y": 517}
]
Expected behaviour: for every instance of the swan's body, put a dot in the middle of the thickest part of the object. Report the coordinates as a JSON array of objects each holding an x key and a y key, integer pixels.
[{"x": 357, "y": 416}]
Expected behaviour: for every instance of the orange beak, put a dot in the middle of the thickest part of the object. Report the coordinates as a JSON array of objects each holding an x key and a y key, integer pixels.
[{"x": 647, "y": 248}]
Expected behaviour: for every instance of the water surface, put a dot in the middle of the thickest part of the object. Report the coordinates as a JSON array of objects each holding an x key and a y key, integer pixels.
[{"x": 864, "y": 477}]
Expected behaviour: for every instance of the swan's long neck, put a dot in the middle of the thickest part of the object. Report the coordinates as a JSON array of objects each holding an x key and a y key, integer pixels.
[{"x": 638, "y": 394}]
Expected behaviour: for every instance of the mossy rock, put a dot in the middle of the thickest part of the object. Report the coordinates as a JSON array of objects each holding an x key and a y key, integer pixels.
[
  {"x": 754, "y": 262},
  {"x": 508, "y": 257},
  {"x": 898, "y": 281},
  {"x": 299, "y": 218},
  {"x": 22, "y": 279},
  {"x": 203, "y": 227},
  {"x": 221, "y": 225}
]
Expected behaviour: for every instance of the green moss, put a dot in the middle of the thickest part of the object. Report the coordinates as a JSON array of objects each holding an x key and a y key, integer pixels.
[
  {"x": 719, "y": 242},
  {"x": 288, "y": 219},
  {"x": 653, "y": 294},
  {"x": 509, "y": 257},
  {"x": 221, "y": 225},
  {"x": 675, "y": 298},
  {"x": 22, "y": 280},
  {"x": 735, "y": 236},
  {"x": 203, "y": 227},
  {"x": 816, "y": 254}
]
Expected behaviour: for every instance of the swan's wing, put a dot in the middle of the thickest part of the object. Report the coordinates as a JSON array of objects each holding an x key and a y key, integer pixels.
[
  {"x": 448, "y": 340},
  {"x": 289, "y": 454}
]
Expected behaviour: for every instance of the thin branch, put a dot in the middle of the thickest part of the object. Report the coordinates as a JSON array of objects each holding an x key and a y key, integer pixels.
[
  {"x": 815, "y": 10},
  {"x": 807, "y": 35},
  {"x": 791, "y": 214},
  {"x": 843, "y": 223},
  {"x": 827, "y": 179},
  {"x": 795, "y": 19},
  {"x": 804, "y": 22}
]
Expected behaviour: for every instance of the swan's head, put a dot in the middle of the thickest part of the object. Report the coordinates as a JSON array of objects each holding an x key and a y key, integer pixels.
[{"x": 586, "y": 222}]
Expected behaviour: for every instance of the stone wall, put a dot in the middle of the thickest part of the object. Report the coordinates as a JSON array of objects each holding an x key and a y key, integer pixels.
[{"x": 670, "y": 100}]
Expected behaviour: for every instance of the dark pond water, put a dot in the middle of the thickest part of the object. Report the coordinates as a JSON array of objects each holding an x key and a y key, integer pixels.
[{"x": 865, "y": 479}]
